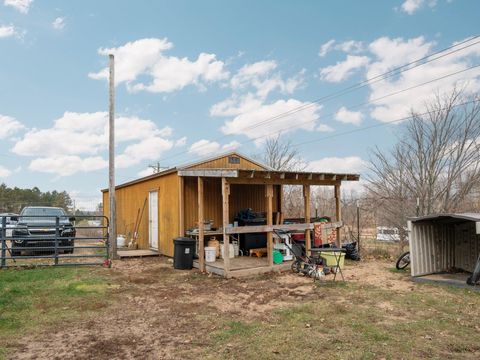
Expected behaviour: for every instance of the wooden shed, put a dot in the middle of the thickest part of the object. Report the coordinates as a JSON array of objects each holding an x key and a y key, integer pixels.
[{"x": 175, "y": 201}]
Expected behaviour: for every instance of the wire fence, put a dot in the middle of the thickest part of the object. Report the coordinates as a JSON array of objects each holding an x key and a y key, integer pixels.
[{"x": 37, "y": 240}]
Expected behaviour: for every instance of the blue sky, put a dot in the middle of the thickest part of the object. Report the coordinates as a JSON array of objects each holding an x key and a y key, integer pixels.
[{"x": 197, "y": 78}]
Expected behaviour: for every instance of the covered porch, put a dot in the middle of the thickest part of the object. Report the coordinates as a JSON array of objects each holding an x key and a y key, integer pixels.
[{"x": 218, "y": 194}]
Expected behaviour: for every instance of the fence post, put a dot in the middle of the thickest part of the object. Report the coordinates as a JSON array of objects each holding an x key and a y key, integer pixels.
[
  {"x": 3, "y": 236},
  {"x": 57, "y": 235}
]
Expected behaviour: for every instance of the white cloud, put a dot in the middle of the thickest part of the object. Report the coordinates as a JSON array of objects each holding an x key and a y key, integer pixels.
[
  {"x": 326, "y": 47},
  {"x": 349, "y": 46},
  {"x": 21, "y": 5},
  {"x": 68, "y": 164},
  {"x": 324, "y": 128},
  {"x": 385, "y": 54},
  {"x": 410, "y": 6},
  {"x": 343, "y": 69},
  {"x": 258, "y": 76},
  {"x": 349, "y": 164},
  {"x": 9, "y": 126},
  {"x": 255, "y": 122},
  {"x": 59, "y": 23},
  {"x": 181, "y": 142},
  {"x": 391, "y": 53},
  {"x": 146, "y": 172},
  {"x": 147, "y": 149},
  {"x": 249, "y": 104},
  {"x": 145, "y": 58},
  {"x": 4, "y": 172},
  {"x": 348, "y": 117},
  {"x": 7, "y": 31},
  {"x": 76, "y": 135},
  {"x": 206, "y": 147}
]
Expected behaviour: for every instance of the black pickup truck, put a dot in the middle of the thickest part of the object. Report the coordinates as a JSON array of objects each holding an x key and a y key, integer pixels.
[{"x": 36, "y": 231}]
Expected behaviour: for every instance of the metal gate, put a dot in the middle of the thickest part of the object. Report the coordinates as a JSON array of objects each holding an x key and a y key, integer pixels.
[{"x": 34, "y": 240}]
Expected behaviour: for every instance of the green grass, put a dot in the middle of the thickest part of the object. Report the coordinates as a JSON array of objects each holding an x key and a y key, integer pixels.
[
  {"x": 46, "y": 296},
  {"x": 358, "y": 322}
]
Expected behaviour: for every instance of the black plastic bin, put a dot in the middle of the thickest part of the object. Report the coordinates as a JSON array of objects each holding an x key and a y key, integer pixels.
[{"x": 184, "y": 248}]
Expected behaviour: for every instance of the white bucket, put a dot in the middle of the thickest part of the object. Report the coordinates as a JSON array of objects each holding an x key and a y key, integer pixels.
[
  {"x": 210, "y": 254},
  {"x": 236, "y": 251},
  {"x": 232, "y": 251},
  {"x": 121, "y": 241}
]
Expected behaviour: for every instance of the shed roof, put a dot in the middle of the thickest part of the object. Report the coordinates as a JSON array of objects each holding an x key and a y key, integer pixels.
[
  {"x": 449, "y": 216},
  {"x": 187, "y": 166},
  {"x": 292, "y": 177}
]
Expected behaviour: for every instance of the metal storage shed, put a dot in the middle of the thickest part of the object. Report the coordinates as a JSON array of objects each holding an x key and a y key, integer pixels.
[{"x": 445, "y": 247}]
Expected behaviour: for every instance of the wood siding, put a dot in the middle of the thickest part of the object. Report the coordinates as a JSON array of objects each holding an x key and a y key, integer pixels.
[
  {"x": 131, "y": 199},
  {"x": 222, "y": 163},
  {"x": 241, "y": 197}
]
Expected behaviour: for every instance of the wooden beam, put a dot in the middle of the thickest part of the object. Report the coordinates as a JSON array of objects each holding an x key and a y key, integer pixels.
[
  {"x": 225, "y": 217},
  {"x": 306, "y": 203},
  {"x": 269, "y": 195},
  {"x": 286, "y": 227},
  {"x": 181, "y": 206},
  {"x": 209, "y": 173},
  {"x": 201, "y": 237},
  {"x": 263, "y": 181},
  {"x": 338, "y": 212}
]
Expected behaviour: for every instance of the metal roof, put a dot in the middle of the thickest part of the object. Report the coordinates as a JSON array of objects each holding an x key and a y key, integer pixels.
[{"x": 460, "y": 216}]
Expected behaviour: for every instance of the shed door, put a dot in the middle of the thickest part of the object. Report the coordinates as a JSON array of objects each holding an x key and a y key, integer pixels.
[{"x": 153, "y": 219}]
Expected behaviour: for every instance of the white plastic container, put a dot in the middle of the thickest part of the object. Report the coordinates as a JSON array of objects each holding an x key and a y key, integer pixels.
[
  {"x": 210, "y": 254},
  {"x": 121, "y": 241},
  {"x": 232, "y": 251}
]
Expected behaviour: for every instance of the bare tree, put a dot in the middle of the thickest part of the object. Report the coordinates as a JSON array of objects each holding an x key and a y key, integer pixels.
[
  {"x": 437, "y": 160},
  {"x": 280, "y": 154}
]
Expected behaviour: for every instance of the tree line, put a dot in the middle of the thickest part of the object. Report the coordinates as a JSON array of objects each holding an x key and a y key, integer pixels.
[{"x": 13, "y": 200}]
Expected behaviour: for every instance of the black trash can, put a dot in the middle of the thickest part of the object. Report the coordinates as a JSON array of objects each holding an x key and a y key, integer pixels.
[{"x": 184, "y": 248}]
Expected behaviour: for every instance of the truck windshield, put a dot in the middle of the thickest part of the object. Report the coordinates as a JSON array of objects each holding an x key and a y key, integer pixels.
[{"x": 42, "y": 212}]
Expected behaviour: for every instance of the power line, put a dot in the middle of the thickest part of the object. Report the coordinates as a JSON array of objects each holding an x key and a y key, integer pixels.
[
  {"x": 396, "y": 71},
  {"x": 383, "y": 124},
  {"x": 364, "y": 103}
]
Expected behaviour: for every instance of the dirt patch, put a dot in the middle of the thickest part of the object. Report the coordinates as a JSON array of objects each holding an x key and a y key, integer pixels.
[{"x": 159, "y": 313}]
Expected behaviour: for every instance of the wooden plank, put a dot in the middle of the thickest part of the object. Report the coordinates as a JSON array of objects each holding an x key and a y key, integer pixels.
[
  {"x": 225, "y": 221},
  {"x": 306, "y": 204},
  {"x": 209, "y": 173},
  {"x": 338, "y": 212},
  {"x": 286, "y": 227},
  {"x": 278, "y": 181},
  {"x": 269, "y": 209},
  {"x": 201, "y": 219}
]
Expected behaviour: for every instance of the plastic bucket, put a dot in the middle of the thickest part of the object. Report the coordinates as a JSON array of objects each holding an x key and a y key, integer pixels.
[
  {"x": 277, "y": 257},
  {"x": 121, "y": 241},
  {"x": 231, "y": 252},
  {"x": 210, "y": 254},
  {"x": 331, "y": 258}
]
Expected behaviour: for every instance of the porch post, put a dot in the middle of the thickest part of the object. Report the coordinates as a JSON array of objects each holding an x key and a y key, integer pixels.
[
  {"x": 338, "y": 212},
  {"x": 225, "y": 216},
  {"x": 181, "y": 206},
  {"x": 306, "y": 199},
  {"x": 201, "y": 237},
  {"x": 269, "y": 196}
]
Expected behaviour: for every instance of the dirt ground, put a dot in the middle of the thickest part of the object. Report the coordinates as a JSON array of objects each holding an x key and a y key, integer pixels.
[{"x": 156, "y": 312}]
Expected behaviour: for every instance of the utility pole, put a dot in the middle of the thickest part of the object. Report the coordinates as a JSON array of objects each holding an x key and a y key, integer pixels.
[
  {"x": 156, "y": 168},
  {"x": 111, "y": 160},
  {"x": 418, "y": 206}
]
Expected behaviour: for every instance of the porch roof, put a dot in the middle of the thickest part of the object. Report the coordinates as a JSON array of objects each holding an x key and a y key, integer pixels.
[{"x": 272, "y": 176}]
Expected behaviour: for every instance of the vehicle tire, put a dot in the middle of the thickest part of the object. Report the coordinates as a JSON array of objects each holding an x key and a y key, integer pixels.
[
  {"x": 70, "y": 251},
  {"x": 403, "y": 261},
  {"x": 296, "y": 266}
]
